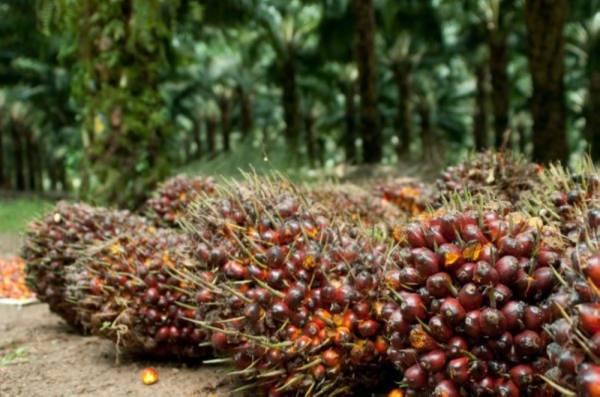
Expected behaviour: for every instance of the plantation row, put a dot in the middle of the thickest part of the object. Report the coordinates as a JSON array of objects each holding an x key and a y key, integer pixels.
[{"x": 332, "y": 290}]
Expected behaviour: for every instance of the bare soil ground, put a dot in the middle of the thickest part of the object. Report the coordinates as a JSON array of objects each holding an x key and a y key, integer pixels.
[{"x": 58, "y": 362}]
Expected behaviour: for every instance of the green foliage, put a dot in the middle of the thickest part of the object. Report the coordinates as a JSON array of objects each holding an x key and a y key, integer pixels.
[
  {"x": 16, "y": 213},
  {"x": 119, "y": 57}
]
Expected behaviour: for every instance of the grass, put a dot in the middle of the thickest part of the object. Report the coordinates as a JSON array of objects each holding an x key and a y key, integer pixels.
[
  {"x": 16, "y": 356},
  {"x": 16, "y": 213}
]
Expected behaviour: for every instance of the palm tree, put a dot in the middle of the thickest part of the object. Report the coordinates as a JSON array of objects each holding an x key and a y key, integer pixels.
[{"x": 545, "y": 20}]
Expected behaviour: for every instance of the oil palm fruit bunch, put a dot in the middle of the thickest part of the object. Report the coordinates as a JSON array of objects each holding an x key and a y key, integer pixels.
[
  {"x": 169, "y": 202},
  {"x": 467, "y": 304},
  {"x": 575, "y": 351},
  {"x": 408, "y": 194},
  {"x": 353, "y": 204},
  {"x": 295, "y": 294},
  {"x": 571, "y": 200},
  {"x": 125, "y": 289},
  {"x": 54, "y": 242},
  {"x": 504, "y": 174}
]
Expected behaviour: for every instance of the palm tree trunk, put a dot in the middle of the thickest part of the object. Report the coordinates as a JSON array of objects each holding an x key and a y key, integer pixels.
[
  {"x": 245, "y": 112},
  {"x": 39, "y": 167},
  {"x": 291, "y": 113},
  {"x": 225, "y": 122},
  {"x": 545, "y": 20},
  {"x": 198, "y": 137},
  {"x": 427, "y": 138},
  {"x": 18, "y": 155},
  {"x": 369, "y": 125},
  {"x": 404, "y": 116},
  {"x": 30, "y": 159},
  {"x": 311, "y": 146},
  {"x": 480, "y": 118},
  {"x": 593, "y": 105},
  {"x": 2, "y": 181},
  {"x": 211, "y": 132},
  {"x": 350, "y": 121},
  {"x": 500, "y": 83}
]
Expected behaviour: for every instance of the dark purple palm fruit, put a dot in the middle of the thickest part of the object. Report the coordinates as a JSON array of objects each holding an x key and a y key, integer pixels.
[
  {"x": 126, "y": 289},
  {"x": 505, "y": 176},
  {"x": 56, "y": 241},
  {"x": 355, "y": 204},
  {"x": 298, "y": 308},
  {"x": 476, "y": 302},
  {"x": 171, "y": 199}
]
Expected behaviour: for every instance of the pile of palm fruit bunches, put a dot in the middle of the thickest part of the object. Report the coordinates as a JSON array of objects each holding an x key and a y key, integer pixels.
[{"x": 337, "y": 290}]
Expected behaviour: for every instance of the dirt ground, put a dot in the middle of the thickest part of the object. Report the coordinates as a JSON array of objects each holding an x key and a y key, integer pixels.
[{"x": 58, "y": 362}]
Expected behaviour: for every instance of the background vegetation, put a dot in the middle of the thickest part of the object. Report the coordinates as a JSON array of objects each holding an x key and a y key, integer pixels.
[{"x": 103, "y": 98}]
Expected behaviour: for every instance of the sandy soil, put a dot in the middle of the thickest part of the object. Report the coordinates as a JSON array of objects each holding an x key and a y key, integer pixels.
[{"x": 58, "y": 362}]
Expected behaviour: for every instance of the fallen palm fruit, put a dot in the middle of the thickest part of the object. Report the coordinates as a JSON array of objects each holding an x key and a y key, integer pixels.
[
  {"x": 170, "y": 201},
  {"x": 56, "y": 241},
  {"x": 12, "y": 279},
  {"x": 295, "y": 294}
]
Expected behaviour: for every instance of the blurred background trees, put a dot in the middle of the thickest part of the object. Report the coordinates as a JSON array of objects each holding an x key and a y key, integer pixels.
[{"x": 103, "y": 98}]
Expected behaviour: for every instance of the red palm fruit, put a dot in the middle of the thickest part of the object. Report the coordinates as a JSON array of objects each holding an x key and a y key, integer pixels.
[
  {"x": 588, "y": 381},
  {"x": 492, "y": 322},
  {"x": 398, "y": 323},
  {"x": 569, "y": 360},
  {"x": 421, "y": 340},
  {"x": 488, "y": 253},
  {"x": 362, "y": 310},
  {"x": 496, "y": 228},
  {"x": 499, "y": 295},
  {"x": 414, "y": 235},
  {"x": 507, "y": 268},
  {"x": 589, "y": 317},
  {"x": 219, "y": 340},
  {"x": 522, "y": 375},
  {"x": 485, "y": 386},
  {"x": 470, "y": 297},
  {"x": 439, "y": 285},
  {"x": 433, "y": 361},
  {"x": 439, "y": 329},
  {"x": 506, "y": 388},
  {"x": 330, "y": 358},
  {"x": 472, "y": 233},
  {"x": 408, "y": 357},
  {"x": 534, "y": 318},
  {"x": 368, "y": 328},
  {"x": 412, "y": 307},
  {"x": 451, "y": 255},
  {"x": 426, "y": 261},
  {"x": 434, "y": 237},
  {"x": 458, "y": 370},
  {"x": 452, "y": 311},
  {"x": 410, "y": 276},
  {"x": 485, "y": 274},
  {"x": 509, "y": 245},
  {"x": 456, "y": 345},
  {"x": 445, "y": 389},
  {"x": 464, "y": 273},
  {"x": 528, "y": 343},
  {"x": 449, "y": 226},
  {"x": 592, "y": 269},
  {"x": 472, "y": 327},
  {"x": 544, "y": 279},
  {"x": 415, "y": 377},
  {"x": 502, "y": 344},
  {"x": 594, "y": 343},
  {"x": 548, "y": 258}
]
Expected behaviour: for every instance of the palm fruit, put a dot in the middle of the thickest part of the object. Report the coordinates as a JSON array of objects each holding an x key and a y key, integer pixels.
[
  {"x": 505, "y": 175},
  {"x": 568, "y": 199},
  {"x": 466, "y": 303},
  {"x": 170, "y": 200},
  {"x": 12, "y": 279},
  {"x": 352, "y": 203},
  {"x": 575, "y": 350},
  {"x": 296, "y": 294},
  {"x": 410, "y": 195},
  {"x": 125, "y": 289},
  {"x": 53, "y": 243}
]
